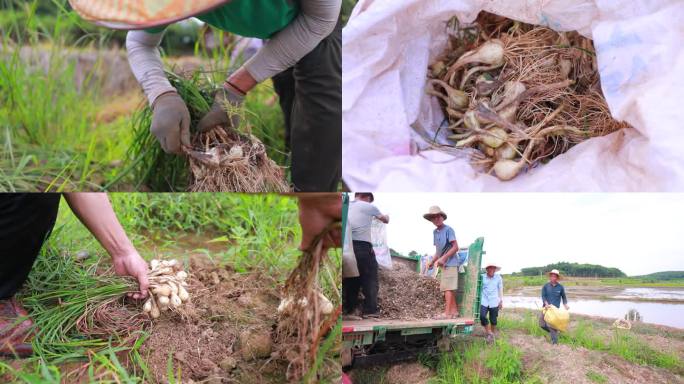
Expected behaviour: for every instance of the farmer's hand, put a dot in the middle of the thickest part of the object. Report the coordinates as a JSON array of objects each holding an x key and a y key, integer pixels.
[
  {"x": 133, "y": 265},
  {"x": 500, "y": 304},
  {"x": 223, "y": 111},
  {"x": 316, "y": 212},
  {"x": 171, "y": 122},
  {"x": 566, "y": 307}
]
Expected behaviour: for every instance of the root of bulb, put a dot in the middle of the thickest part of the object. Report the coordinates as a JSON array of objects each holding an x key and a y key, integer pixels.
[{"x": 535, "y": 93}]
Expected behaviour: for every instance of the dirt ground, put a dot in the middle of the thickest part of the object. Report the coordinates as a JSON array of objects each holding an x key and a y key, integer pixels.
[
  {"x": 225, "y": 334},
  {"x": 404, "y": 294},
  {"x": 559, "y": 364}
]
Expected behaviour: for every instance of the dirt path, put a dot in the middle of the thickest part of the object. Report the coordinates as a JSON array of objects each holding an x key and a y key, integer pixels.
[{"x": 564, "y": 364}]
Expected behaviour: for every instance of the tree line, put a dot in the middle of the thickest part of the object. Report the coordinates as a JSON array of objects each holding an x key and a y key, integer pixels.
[{"x": 573, "y": 269}]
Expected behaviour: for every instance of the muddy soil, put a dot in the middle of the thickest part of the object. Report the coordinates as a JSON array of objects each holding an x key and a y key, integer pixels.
[
  {"x": 405, "y": 294},
  {"x": 225, "y": 335}
]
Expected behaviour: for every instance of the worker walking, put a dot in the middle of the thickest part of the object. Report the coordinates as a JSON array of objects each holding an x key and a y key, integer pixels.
[
  {"x": 361, "y": 214},
  {"x": 491, "y": 299},
  {"x": 446, "y": 247},
  {"x": 301, "y": 54},
  {"x": 552, "y": 293}
]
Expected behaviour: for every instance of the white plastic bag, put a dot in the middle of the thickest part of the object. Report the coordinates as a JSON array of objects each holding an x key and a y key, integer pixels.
[
  {"x": 349, "y": 267},
  {"x": 379, "y": 241},
  {"x": 388, "y": 44}
]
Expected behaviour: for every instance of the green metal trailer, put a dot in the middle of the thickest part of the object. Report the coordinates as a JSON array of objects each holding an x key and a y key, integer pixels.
[{"x": 371, "y": 342}]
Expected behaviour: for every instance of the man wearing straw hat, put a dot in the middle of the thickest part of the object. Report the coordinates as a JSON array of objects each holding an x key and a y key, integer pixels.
[
  {"x": 552, "y": 293},
  {"x": 491, "y": 299},
  {"x": 444, "y": 239},
  {"x": 361, "y": 214},
  {"x": 302, "y": 55}
]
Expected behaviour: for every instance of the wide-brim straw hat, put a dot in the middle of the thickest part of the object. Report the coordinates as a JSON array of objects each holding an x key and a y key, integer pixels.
[
  {"x": 556, "y": 272},
  {"x": 126, "y": 14},
  {"x": 493, "y": 264},
  {"x": 434, "y": 211}
]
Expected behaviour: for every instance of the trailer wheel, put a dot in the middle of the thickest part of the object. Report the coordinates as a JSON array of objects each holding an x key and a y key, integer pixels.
[
  {"x": 347, "y": 358},
  {"x": 444, "y": 344}
]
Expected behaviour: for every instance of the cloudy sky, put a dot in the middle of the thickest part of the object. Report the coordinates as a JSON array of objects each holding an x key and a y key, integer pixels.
[{"x": 638, "y": 233}]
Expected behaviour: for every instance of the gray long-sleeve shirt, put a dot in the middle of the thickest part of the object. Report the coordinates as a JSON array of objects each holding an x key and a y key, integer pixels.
[
  {"x": 553, "y": 294},
  {"x": 316, "y": 20}
]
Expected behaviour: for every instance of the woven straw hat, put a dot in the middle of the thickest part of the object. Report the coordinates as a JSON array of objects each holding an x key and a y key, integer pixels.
[
  {"x": 493, "y": 264},
  {"x": 555, "y": 271},
  {"x": 433, "y": 211},
  {"x": 140, "y": 14}
]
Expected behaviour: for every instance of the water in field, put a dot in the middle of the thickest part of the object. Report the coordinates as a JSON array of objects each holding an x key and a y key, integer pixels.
[{"x": 617, "y": 304}]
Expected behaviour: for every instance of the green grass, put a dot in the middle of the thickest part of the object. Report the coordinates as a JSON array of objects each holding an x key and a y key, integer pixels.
[
  {"x": 479, "y": 363},
  {"x": 513, "y": 282},
  {"x": 596, "y": 377},
  {"x": 50, "y": 135}
]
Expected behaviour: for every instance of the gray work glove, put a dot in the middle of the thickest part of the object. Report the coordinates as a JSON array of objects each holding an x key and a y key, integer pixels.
[
  {"x": 224, "y": 101},
  {"x": 171, "y": 122}
]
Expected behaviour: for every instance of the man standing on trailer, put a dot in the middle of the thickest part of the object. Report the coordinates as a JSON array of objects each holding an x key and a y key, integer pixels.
[
  {"x": 361, "y": 214},
  {"x": 446, "y": 248}
]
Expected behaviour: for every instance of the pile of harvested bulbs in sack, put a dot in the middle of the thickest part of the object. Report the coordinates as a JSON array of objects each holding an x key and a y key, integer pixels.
[
  {"x": 517, "y": 95},
  {"x": 167, "y": 287}
]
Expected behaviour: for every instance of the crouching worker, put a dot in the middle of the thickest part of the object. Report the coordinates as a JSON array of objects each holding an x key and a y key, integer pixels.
[
  {"x": 552, "y": 293},
  {"x": 26, "y": 221},
  {"x": 446, "y": 248},
  {"x": 491, "y": 300}
]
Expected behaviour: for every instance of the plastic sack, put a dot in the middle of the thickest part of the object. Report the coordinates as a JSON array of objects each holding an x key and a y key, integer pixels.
[
  {"x": 379, "y": 241},
  {"x": 349, "y": 267},
  {"x": 388, "y": 45},
  {"x": 557, "y": 318}
]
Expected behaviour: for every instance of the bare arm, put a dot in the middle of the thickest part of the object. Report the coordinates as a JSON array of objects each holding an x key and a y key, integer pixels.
[
  {"x": 383, "y": 218},
  {"x": 96, "y": 213},
  {"x": 451, "y": 251}
]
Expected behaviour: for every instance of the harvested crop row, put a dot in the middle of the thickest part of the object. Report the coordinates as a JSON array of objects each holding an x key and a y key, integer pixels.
[
  {"x": 223, "y": 159},
  {"x": 516, "y": 95}
]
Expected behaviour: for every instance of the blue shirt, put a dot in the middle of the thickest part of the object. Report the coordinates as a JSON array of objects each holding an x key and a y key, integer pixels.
[
  {"x": 553, "y": 294},
  {"x": 490, "y": 290},
  {"x": 442, "y": 240}
]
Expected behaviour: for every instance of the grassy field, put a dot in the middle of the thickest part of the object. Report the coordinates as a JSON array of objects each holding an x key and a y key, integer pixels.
[
  {"x": 247, "y": 233},
  {"x": 61, "y": 126},
  {"x": 513, "y": 282},
  {"x": 592, "y": 351}
]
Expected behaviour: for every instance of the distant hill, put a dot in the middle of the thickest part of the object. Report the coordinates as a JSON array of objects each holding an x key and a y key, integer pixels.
[
  {"x": 573, "y": 269},
  {"x": 665, "y": 275}
]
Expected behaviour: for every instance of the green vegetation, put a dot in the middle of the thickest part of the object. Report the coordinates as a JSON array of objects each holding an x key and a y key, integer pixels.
[
  {"x": 596, "y": 377},
  {"x": 665, "y": 275},
  {"x": 574, "y": 269},
  {"x": 479, "y": 363},
  {"x": 53, "y": 70},
  {"x": 512, "y": 282},
  {"x": 583, "y": 334},
  {"x": 248, "y": 232}
]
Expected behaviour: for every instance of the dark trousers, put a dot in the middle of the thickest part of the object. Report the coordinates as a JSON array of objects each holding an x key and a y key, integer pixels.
[
  {"x": 547, "y": 328},
  {"x": 26, "y": 221},
  {"x": 367, "y": 282},
  {"x": 311, "y": 99},
  {"x": 493, "y": 315}
]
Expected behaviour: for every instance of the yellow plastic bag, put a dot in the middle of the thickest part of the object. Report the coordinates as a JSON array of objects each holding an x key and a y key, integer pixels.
[{"x": 556, "y": 318}]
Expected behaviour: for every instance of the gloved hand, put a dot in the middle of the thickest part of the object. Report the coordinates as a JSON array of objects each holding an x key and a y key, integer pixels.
[
  {"x": 224, "y": 100},
  {"x": 171, "y": 122}
]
